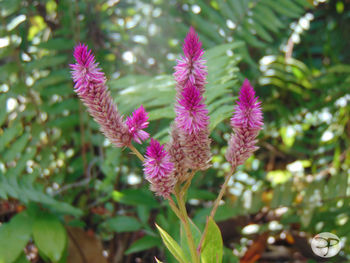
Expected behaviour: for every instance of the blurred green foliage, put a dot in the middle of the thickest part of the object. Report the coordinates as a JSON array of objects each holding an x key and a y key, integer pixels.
[{"x": 58, "y": 173}]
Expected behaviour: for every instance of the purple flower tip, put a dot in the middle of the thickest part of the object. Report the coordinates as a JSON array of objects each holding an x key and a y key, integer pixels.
[
  {"x": 157, "y": 161},
  {"x": 192, "y": 47},
  {"x": 82, "y": 55},
  {"x": 246, "y": 122},
  {"x": 159, "y": 169},
  {"x": 191, "y": 112},
  {"x": 191, "y": 67},
  {"x": 248, "y": 110},
  {"x": 136, "y": 123},
  {"x": 85, "y": 71}
]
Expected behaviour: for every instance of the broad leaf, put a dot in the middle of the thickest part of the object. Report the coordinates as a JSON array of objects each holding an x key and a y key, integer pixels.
[
  {"x": 212, "y": 250},
  {"x": 14, "y": 236},
  {"x": 121, "y": 224},
  {"x": 49, "y": 236}
]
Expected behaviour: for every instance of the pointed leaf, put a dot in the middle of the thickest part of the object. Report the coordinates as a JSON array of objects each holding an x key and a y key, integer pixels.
[
  {"x": 171, "y": 244},
  {"x": 142, "y": 244}
]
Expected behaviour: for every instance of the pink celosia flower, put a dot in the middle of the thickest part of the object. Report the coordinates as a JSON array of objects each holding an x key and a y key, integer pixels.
[
  {"x": 136, "y": 123},
  {"x": 190, "y": 68},
  {"x": 90, "y": 85},
  {"x": 191, "y": 113},
  {"x": 248, "y": 110},
  {"x": 192, "y": 120},
  {"x": 159, "y": 170},
  {"x": 246, "y": 122}
]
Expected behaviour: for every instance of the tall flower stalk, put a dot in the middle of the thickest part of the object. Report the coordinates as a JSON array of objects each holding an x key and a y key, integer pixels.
[
  {"x": 90, "y": 85},
  {"x": 192, "y": 117},
  {"x": 246, "y": 123}
]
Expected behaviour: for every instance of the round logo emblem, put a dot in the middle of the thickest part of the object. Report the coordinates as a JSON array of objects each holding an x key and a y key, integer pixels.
[{"x": 326, "y": 245}]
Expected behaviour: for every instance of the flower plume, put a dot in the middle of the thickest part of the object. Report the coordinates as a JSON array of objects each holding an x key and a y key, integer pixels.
[
  {"x": 90, "y": 85},
  {"x": 136, "y": 123},
  {"x": 192, "y": 119},
  {"x": 191, "y": 112},
  {"x": 248, "y": 110},
  {"x": 191, "y": 67},
  {"x": 247, "y": 121},
  {"x": 159, "y": 170}
]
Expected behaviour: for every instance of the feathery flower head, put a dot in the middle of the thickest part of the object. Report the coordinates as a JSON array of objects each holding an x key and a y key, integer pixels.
[
  {"x": 192, "y": 47},
  {"x": 90, "y": 85},
  {"x": 158, "y": 169},
  {"x": 191, "y": 112},
  {"x": 248, "y": 110},
  {"x": 85, "y": 72},
  {"x": 191, "y": 67},
  {"x": 136, "y": 123},
  {"x": 246, "y": 122}
]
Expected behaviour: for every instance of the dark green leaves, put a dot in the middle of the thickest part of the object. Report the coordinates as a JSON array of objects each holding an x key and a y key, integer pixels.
[
  {"x": 121, "y": 224},
  {"x": 47, "y": 232},
  {"x": 14, "y": 236},
  {"x": 143, "y": 243}
]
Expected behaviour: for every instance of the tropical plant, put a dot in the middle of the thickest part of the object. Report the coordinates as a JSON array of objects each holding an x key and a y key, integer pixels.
[{"x": 56, "y": 169}]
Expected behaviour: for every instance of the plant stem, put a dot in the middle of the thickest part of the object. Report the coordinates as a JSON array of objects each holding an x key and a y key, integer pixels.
[
  {"x": 136, "y": 152},
  {"x": 186, "y": 224},
  {"x": 213, "y": 211},
  {"x": 175, "y": 209},
  {"x": 187, "y": 184}
]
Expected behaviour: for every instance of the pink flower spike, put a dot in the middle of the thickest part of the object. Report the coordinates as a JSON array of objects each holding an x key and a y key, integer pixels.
[
  {"x": 90, "y": 85},
  {"x": 158, "y": 169},
  {"x": 136, "y": 123},
  {"x": 85, "y": 72},
  {"x": 191, "y": 67},
  {"x": 192, "y": 47},
  {"x": 248, "y": 110},
  {"x": 191, "y": 113},
  {"x": 247, "y": 121}
]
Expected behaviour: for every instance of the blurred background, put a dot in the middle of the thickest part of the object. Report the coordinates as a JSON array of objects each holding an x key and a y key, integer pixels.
[{"x": 67, "y": 195}]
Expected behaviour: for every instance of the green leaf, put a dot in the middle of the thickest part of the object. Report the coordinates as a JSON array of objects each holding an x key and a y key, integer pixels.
[
  {"x": 14, "y": 236},
  {"x": 9, "y": 134},
  {"x": 171, "y": 244},
  {"x": 196, "y": 234},
  {"x": 212, "y": 250},
  {"x": 49, "y": 236},
  {"x": 22, "y": 259},
  {"x": 121, "y": 224},
  {"x": 135, "y": 197},
  {"x": 142, "y": 244},
  {"x": 16, "y": 148}
]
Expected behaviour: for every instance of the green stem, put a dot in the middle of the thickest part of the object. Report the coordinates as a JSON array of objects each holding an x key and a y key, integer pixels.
[
  {"x": 187, "y": 184},
  {"x": 186, "y": 224},
  {"x": 136, "y": 152},
  {"x": 175, "y": 209},
  {"x": 213, "y": 211}
]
